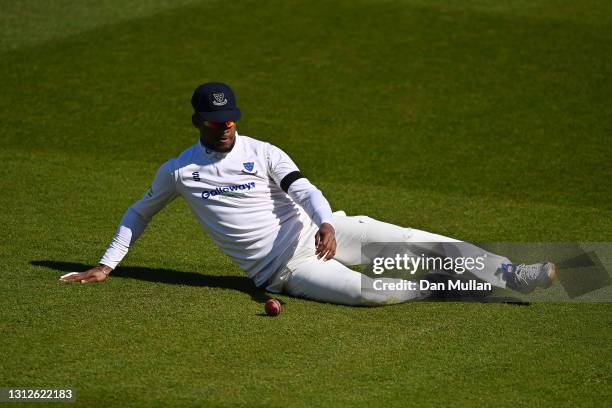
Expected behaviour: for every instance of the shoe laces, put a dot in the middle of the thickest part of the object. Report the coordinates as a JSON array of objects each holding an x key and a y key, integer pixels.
[{"x": 524, "y": 273}]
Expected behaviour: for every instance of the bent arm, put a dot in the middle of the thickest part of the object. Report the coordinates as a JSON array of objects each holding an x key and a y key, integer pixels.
[
  {"x": 289, "y": 178},
  {"x": 311, "y": 199},
  {"x": 137, "y": 217},
  {"x": 132, "y": 225},
  {"x": 286, "y": 175}
]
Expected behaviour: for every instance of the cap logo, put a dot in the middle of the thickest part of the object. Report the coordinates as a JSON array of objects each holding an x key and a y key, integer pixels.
[{"x": 219, "y": 99}]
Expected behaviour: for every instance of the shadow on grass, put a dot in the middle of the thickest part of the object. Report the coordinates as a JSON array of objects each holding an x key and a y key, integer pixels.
[
  {"x": 241, "y": 283},
  {"x": 169, "y": 276},
  {"x": 453, "y": 295}
]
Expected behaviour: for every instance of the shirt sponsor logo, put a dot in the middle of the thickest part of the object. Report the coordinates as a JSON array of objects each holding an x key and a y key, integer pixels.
[{"x": 206, "y": 194}]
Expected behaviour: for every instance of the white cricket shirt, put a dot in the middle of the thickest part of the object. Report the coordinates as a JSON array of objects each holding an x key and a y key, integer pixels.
[{"x": 237, "y": 198}]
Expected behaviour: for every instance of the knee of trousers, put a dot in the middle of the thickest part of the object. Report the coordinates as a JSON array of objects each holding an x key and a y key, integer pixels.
[
  {"x": 344, "y": 291},
  {"x": 365, "y": 296},
  {"x": 378, "y": 299}
]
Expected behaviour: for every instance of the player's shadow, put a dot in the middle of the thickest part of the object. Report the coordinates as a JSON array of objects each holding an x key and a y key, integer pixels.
[
  {"x": 169, "y": 276},
  {"x": 239, "y": 283},
  {"x": 453, "y": 295}
]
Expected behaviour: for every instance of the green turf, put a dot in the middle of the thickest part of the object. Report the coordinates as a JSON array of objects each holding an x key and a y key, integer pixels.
[{"x": 482, "y": 120}]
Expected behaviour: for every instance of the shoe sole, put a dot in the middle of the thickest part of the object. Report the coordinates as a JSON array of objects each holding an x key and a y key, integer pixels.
[{"x": 552, "y": 275}]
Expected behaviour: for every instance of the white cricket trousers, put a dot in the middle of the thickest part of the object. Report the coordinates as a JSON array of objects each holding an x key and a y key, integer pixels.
[{"x": 332, "y": 281}]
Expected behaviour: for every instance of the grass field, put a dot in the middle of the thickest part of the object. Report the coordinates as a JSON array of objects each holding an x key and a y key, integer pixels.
[{"x": 482, "y": 120}]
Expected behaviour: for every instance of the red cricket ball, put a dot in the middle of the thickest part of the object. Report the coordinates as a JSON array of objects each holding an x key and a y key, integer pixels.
[{"x": 273, "y": 307}]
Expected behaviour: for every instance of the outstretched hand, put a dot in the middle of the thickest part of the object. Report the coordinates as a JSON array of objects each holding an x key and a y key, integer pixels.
[
  {"x": 325, "y": 242},
  {"x": 96, "y": 274}
]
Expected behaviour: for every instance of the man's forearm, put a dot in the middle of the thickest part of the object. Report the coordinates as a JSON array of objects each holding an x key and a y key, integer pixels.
[
  {"x": 312, "y": 200},
  {"x": 130, "y": 228}
]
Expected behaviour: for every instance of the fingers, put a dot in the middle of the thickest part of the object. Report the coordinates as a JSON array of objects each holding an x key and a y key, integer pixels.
[
  {"x": 332, "y": 250},
  {"x": 320, "y": 245},
  {"x": 326, "y": 248},
  {"x": 91, "y": 275},
  {"x": 72, "y": 277},
  {"x": 94, "y": 276},
  {"x": 90, "y": 279}
]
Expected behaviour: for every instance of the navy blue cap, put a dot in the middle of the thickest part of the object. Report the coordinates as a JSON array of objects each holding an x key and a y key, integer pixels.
[{"x": 216, "y": 102}]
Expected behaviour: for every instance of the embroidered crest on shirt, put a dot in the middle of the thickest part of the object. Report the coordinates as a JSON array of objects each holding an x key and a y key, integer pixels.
[{"x": 248, "y": 168}]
